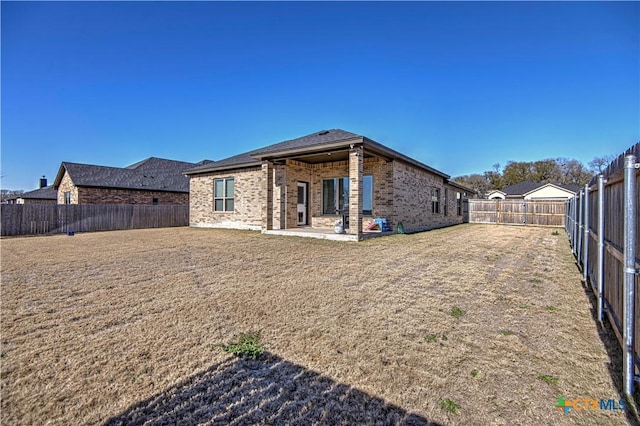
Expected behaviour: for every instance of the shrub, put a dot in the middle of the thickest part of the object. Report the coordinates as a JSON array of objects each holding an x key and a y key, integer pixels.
[
  {"x": 245, "y": 345},
  {"x": 457, "y": 312},
  {"x": 449, "y": 406}
]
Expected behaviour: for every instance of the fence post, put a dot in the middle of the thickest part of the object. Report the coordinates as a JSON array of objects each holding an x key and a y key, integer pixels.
[
  {"x": 574, "y": 221},
  {"x": 630, "y": 271},
  {"x": 600, "y": 273},
  {"x": 566, "y": 216},
  {"x": 579, "y": 230},
  {"x": 585, "y": 239},
  {"x": 576, "y": 200},
  {"x": 567, "y": 220}
]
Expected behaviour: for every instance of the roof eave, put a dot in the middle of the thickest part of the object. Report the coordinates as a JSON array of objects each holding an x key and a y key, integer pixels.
[
  {"x": 131, "y": 188},
  {"x": 307, "y": 150},
  {"x": 58, "y": 179},
  {"x": 221, "y": 168},
  {"x": 464, "y": 188}
]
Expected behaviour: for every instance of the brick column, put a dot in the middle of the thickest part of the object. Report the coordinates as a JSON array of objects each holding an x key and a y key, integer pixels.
[
  {"x": 279, "y": 185},
  {"x": 267, "y": 205},
  {"x": 356, "y": 155}
]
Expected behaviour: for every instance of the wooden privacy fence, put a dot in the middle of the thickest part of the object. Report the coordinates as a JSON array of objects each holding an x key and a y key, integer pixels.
[
  {"x": 517, "y": 212},
  {"x": 26, "y": 219},
  {"x": 602, "y": 224}
]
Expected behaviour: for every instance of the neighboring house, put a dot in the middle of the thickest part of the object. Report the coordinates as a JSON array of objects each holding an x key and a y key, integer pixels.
[
  {"x": 45, "y": 194},
  {"x": 496, "y": 195},
  {"x": 529, "y": 190},
  {"x": 314, "y": 180},
  {"x": 151, "y": 181}
]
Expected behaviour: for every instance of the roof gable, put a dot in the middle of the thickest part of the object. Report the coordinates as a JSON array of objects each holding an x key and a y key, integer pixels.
[
  {"x": 527, "y": 187},
  {"x": 548, "y": 185}
]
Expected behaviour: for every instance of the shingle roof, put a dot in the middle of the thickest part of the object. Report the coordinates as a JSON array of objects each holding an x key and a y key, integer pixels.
[
  {"x": 240, "y": 160},
  {"x": 153, "y": 174},
  {"x": 312, "y": 142},
  {"x": 527, "y": 186},
  {"x": 309, "y": 141},
  {"x": 521, "y": 188},
  {"x": 45, "y": 193},
  {"x": 249, "y": 159}
]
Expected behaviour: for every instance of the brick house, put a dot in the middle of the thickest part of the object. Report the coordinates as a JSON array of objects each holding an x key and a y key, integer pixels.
[
  {"x": 312, "y": 181},
  {"x": 151, "y": 181}
]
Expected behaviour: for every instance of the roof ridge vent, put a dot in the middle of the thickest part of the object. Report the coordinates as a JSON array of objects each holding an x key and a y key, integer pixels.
[{"x": 324, "y": 132}]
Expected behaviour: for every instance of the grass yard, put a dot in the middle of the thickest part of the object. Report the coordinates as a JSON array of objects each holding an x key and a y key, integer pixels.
[{"x": 471, "y": 324}]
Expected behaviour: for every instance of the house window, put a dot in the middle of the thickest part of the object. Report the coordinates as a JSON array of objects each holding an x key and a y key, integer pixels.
[
  {"x": 67, "y": 197},
  {"x": 435, "y": 200},
  {"x": 154, "y": 201},
  {"x": 335, "y": 195},
  {"x": 459, "y": 203},
  {"x": 223, "y": 195}
]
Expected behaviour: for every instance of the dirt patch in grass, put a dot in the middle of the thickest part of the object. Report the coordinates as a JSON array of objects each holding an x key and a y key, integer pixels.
[{"x": 122, "y": 325}]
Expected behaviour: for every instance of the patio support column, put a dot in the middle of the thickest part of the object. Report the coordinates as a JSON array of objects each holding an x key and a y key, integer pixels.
[
  {"x": 356, "y": 166},
  {"x": 267, "y": 206}
]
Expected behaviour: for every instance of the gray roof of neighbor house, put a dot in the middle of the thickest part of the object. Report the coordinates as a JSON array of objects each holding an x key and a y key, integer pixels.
[
  {"x": 528, "y": 186},
  {"x": 152, "y": 174},
  {"x": 45, "y": 193},
  {"x": 314, "y": 142}
]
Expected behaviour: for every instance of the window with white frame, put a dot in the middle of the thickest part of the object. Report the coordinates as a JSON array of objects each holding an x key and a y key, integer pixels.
[
  {"x": 435, "y": 200},
  {"x": 223, "y": 195},
  {"x": 335, "y": 195},
  {"x": 459, "y": 203},
  {"x": 67, "y": 197}
]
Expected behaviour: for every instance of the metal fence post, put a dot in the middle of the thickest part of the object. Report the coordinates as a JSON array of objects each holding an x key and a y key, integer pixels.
[
  {"x": 600, "y": 273},
  {"x": 629, "y": 271},
  {"x": 579, "y": 230},
  {"x": 567, "y": 218},
  {"x": 569, "y": 223},
  {"x": 585, "y": 239},
  {"x": 574, "y": 221}
]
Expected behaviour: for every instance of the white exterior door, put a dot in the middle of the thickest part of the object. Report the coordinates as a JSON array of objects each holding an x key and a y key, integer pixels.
[{"x": 302, "y": 203}]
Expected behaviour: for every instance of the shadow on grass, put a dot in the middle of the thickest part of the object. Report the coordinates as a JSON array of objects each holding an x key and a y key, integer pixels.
[
  {"x": 268, "y": 390},
  {"x": 614, "y": 350}
]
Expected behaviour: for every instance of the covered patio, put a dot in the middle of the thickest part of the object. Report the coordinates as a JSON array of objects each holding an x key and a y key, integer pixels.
[
  {"x": 300, "y": 186},
  {"x": 325, "y": 234}
]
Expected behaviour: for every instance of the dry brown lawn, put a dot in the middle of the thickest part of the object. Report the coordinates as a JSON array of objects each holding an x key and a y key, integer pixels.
[{"x": 118, "y": 327}]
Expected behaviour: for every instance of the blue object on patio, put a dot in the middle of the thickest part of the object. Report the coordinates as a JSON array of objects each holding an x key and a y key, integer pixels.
[{"x": 383, "y": 224}]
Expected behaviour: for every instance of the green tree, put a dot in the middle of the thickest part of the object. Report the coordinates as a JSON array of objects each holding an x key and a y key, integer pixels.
[
  {"x": 516, "y": 172},
  {"x": 494, "y": 179},
  {"x": 545, "y": 171}
]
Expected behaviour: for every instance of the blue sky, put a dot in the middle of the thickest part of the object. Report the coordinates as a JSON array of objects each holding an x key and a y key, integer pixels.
[{"x": 458, "y": 85}]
